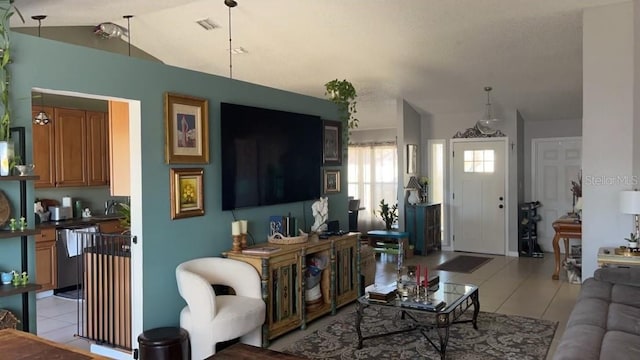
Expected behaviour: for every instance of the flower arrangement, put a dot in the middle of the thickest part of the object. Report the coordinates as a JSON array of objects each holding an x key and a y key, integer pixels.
[
  {"x": 576, "y": 187},
  {"x": 389, "y": 214}
]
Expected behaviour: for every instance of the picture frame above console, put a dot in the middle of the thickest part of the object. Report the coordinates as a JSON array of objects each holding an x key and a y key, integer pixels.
[
  {"x": 186, "y": 120},
  {"x": 332, "y": 143}
]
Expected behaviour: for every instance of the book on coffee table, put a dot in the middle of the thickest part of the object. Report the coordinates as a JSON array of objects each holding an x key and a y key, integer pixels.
[{"x": 384, "y": 293}]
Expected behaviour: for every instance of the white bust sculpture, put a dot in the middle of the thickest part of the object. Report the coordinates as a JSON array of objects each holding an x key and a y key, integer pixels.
[{"x": 320, "y": 211}]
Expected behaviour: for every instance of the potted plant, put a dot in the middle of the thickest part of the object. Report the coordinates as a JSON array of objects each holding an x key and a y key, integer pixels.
[
  {"x": 342, "y": 93},
  {"x": 389, "y": 214},
  {"x": 125, "y": 211},
  {"x": 633, "y": 241},
  {"x": 6, "y": 149}
]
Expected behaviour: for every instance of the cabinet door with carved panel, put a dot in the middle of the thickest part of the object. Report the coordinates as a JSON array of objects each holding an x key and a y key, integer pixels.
[
  {"x": 71, "y": 145},
  {"x": 346, "y": 257},
  {"x": 43, "y": 156},
  {"x": 285, "y": 298},
  {"x": 97, "y": 148}
]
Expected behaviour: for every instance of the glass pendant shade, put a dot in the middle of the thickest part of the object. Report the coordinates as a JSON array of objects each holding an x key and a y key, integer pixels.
[
  {"x": 41, "y": 118},
  {"x": 487, "y": 124}
]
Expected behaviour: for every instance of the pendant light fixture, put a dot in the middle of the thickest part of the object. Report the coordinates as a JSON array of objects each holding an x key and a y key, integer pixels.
[
  {"x": 230, "y": 4},
  {"x": 41, "y": 118},
  {"x": 488, "y": 121},
  {"x": 128, "y": 17}
]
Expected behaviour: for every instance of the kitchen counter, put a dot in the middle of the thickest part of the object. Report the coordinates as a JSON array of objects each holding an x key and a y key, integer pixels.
[{"x": 78, "y": 221}]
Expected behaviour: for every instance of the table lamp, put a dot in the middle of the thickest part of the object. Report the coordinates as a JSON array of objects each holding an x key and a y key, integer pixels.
[{"x": 630, "y": 204}]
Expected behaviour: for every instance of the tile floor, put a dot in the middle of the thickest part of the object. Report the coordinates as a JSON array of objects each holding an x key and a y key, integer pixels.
[{"x": 508, "y": 285}]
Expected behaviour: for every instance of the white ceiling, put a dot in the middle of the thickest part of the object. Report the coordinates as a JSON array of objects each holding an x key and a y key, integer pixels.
[{"x": 436, "y": 54}]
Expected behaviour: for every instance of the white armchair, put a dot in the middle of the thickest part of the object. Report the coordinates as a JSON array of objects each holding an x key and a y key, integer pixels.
[{"x": 211, "y": 319}]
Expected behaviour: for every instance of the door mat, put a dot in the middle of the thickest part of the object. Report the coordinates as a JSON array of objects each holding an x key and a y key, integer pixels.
[
  {"x": 498, "y": 337},
  {"x": 463, "y": 263}
]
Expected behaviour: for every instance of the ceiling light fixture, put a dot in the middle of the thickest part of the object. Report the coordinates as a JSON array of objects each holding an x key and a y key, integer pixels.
[
  {"x": 230, "y": 4},
  {"x": 487, "y": 123},
  {"x": 128, "y": 17},
  {"x": 41, "y": 117},
  {"x": 108, "y": 30}
]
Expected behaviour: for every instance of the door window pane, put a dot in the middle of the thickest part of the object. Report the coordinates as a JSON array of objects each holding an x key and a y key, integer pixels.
[{"x": 479, "y": 161}]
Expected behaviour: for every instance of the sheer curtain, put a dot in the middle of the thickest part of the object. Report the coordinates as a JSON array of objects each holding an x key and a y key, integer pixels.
[{"x": 373, "y": 177}]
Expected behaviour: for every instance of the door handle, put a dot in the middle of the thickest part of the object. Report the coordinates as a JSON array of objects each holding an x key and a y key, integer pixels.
[{"x": 500, "y": 206}]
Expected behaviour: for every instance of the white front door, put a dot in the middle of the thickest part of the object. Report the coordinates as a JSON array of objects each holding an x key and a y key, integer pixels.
[
  {"x": 556, "y": 161},
  {"x": 479, "y": 198}
]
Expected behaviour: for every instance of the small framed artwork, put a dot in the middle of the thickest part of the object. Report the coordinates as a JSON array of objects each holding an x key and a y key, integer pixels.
[
  {"x": 331, "y": 181},
  {"x": 187, "y": 197},
  {"x": 186, "y": 121},
  {"x": 412, "y": 159},
  {"x": 332, "y": 140}
]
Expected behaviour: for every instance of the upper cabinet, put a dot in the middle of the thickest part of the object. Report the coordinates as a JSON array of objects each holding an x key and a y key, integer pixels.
[
  {"x": 119, "y": 144},
  {"x": 72, "y": 150}
]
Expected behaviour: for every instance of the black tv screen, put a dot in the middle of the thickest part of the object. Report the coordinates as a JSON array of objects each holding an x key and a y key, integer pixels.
[{"x": 268, "y": 156}]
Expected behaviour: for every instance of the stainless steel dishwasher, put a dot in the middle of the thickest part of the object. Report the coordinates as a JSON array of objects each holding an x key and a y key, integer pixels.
[{"x": 69, "y": 245}]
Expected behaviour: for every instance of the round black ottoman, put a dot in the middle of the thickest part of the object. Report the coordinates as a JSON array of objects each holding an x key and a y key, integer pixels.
[{"x": 166, "y": 343}]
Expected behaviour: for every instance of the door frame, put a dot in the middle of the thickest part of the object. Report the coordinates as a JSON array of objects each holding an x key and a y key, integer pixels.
[{"x": 507, "y": 196}]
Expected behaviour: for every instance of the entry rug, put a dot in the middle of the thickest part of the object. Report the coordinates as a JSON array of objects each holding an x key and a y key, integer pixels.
[
  {"x": 498, "y": 337},
  {"x": 463, "y": 263}
]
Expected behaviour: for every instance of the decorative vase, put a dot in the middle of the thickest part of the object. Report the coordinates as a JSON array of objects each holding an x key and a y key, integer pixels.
[
  {"x": 633, "y": 245},
  {"x": 414, "y": 197},
  {"x": 5, "y": 153}
]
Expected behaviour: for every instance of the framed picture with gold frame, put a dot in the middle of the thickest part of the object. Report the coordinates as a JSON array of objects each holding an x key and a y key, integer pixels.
[
  {"x": 332, "y": 142},
  {"x": 187, "y": 195},
  {"x": 331, "y": 181},
  {"x": 186, "y": 121}
]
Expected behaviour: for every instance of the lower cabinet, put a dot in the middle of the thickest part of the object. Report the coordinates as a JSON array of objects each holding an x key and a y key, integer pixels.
[
  {"x": 46, "y": 259},
  {"x": 283, "y": 277},
  {"x": 422, "y": 221}
]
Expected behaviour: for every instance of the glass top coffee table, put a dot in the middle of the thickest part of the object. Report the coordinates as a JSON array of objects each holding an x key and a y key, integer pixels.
[{"x": 447, "y": 304}]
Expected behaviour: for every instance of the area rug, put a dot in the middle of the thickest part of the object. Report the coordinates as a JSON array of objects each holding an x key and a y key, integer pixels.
[
  {"x": 463, "y": 263},
  {"x": 498, "y": 337}
]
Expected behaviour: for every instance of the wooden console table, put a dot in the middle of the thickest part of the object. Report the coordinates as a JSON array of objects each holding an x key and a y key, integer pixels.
[
  {"x": 566, "y": 228},
  {"x": 608, "y": 256}
]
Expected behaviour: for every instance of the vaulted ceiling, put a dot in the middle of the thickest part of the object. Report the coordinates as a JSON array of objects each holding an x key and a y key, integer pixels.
[{"x": 436, "y": 54}]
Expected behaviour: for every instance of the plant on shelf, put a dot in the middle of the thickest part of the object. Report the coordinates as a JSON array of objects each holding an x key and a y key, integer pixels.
[
  {"x": 342, "y": 93},
  {"x": 5, "y": 59},
  {"x": 633, "y": 241},
  {"x": 125, "y": 210},
  {"x": 389, "y": 214}
]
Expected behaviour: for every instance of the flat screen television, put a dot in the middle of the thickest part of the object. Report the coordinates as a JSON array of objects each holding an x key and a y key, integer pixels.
[{"x": 268, "y": 156}]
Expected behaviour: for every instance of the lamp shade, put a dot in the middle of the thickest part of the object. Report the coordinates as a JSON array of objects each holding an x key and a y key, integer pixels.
[
  {"x": 413, "y": 183},
  {"x": 630, "y": 202}
]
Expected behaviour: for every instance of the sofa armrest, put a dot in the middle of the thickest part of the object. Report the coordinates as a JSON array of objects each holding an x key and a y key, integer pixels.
[{"x": 624, "y": 276}]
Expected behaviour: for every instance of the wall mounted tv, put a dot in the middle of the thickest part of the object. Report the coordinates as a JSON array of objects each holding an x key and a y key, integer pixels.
[{"x": 268, "y": 156}]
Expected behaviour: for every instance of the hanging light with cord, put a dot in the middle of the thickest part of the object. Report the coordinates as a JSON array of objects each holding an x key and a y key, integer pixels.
[
  {"x": 230, "y": 4},
  {"x": 41, "y": 118},
  {"x": 488, "y": 121}
]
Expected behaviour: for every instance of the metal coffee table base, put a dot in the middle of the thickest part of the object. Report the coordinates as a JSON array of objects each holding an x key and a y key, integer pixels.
[{"x": 442, "y": 323}]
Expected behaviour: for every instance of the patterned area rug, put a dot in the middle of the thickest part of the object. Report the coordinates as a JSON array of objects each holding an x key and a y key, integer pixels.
[{"x": 498, "y": 337}]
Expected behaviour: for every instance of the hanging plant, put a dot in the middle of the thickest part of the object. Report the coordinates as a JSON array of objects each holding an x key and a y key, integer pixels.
[
  {"x": 342, "y": 93},
  {"x": 5, "y": 59}
]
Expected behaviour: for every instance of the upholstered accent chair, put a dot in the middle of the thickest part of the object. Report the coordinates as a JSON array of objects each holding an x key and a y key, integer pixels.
[{"x": 211, "y": 318}]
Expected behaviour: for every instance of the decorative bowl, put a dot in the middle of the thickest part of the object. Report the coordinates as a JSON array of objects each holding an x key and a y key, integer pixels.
[{"x": 24, "y": 170}]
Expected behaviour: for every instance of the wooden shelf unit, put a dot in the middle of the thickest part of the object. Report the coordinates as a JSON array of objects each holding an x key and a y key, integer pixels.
[
  {"x": 282, "y": 275},
  {"x": 24, "y": 290}
]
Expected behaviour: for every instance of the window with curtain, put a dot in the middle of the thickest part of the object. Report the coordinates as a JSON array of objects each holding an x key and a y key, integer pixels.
[{"x": 373, "y": 177}]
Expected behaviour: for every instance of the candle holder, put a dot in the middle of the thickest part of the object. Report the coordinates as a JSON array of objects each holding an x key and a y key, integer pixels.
[
  {"x": 236, "y": 247},
  {"x": 243, "y": 241}
]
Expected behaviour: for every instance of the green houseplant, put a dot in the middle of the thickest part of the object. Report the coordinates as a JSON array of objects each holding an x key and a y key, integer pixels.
[
  {"x": 342, "y": 93},
  {"x": 389, "y": 214},
  {"x": 6, "y": 148}
]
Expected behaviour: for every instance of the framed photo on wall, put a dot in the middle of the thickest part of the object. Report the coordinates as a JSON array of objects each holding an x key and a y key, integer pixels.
[
  {"x": 331, "y": 181},
  {"x": 412, "y": 159},
  {"x": 186, "y": 120},
  {"x": 187, "y": 196},
  {"x": 332, "y": 140}
]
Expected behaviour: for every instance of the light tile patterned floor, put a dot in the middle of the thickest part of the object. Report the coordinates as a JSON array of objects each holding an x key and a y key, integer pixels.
[{"x": 508, "y": 285}]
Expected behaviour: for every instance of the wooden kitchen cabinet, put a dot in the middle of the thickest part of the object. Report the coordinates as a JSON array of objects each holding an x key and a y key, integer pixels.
[
  {"x": 119, "y": 148},
  {"x": 111, "y": 227},
  {"x": 46, "y": 263},
  {"x": 283, "y": 281},
  {"x": 43, "y": 156},
  {"x": 72, "y": 150}
]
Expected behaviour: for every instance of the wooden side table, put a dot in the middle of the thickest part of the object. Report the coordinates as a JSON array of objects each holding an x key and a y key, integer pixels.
[
  {"x": 607, "y": 257},
  {"x": 402, "y": 238},
  {"x": 566, "y": 228}
]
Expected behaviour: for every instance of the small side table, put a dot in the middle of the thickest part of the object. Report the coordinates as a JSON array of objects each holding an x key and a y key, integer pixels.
[
  {"x": 607, "y": 257},
  {"x": 402, "y": 238}
]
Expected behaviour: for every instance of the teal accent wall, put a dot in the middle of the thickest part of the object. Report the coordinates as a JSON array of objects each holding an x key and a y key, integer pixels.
[{"x": 53, "y": 65}]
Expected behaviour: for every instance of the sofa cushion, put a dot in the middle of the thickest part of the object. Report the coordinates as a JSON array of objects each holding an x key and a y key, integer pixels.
[
  {"x": 618, "y": 345},
  {"x": 624, "y": 318},
  {"x": 580, "y": 341},
  {"x": 589, "y": 311},
  {"x": 626, "y": 294}
]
